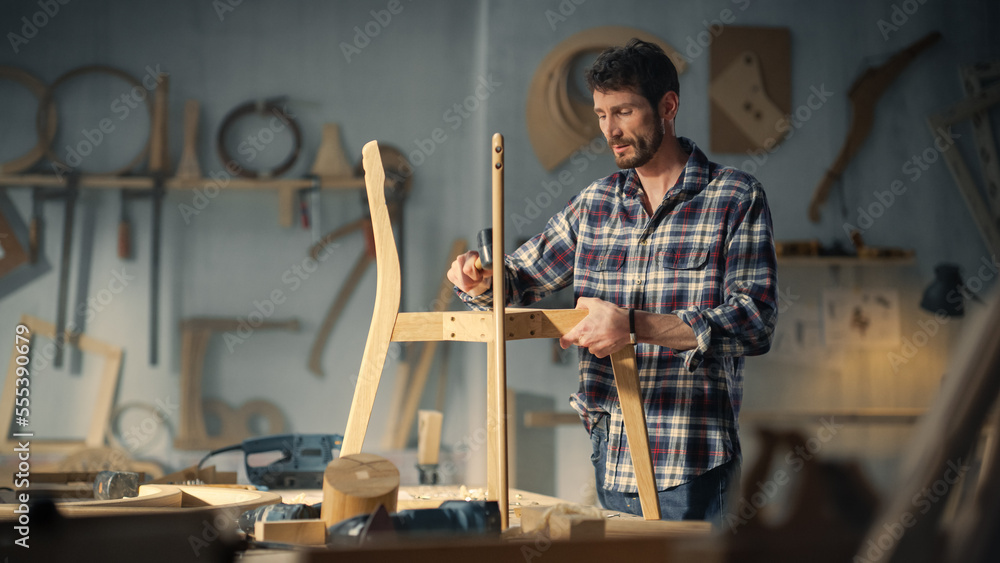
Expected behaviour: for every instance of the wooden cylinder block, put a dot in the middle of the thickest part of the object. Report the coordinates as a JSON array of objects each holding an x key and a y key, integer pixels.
[{"x": 357, "y": 484}]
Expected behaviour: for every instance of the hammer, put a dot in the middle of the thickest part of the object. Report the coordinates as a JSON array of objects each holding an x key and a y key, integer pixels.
[{"x": 485, "y": 242}]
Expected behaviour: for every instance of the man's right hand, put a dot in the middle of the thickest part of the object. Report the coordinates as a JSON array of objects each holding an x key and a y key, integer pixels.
[{"x": 466, "y": 277}]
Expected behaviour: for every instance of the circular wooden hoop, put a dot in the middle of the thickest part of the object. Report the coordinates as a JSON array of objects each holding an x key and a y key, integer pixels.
[
  {"x": 112, "y": 432},
  {"x": 261, "y": 108},
  {"x": 234, "y": 424},
  {"x": 558, "y": 124},
  {"x": 37, "y": 88},
  {"x": 47, "y": 133}
]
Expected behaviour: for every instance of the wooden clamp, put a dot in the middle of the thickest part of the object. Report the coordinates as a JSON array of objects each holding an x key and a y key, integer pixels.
[{"x": 389, "y": 325}]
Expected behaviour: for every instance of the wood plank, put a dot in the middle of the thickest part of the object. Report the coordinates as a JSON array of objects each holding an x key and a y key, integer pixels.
[
  {"x": 630, "y": 398},
  {"x": 189, "y": 168},
  {"x": 387, "y": 294},
  {"x": 978, "y": 208},
  {"x": 309, "y": 531},
  {"x": 429, "y": 437},
  {"x": 492, "y": 443},
  {"x": 418, "y": 381},
  {"x": 543, "y": 419},
  {"x": 420, "y": 327},
  {"x": 499, "y": 406},
  {"x": 575, "y": 527},
  {"x": 105, "y": 394},
  {"x": 965, "y": 109},
  {"x": 985, "y": 142}
]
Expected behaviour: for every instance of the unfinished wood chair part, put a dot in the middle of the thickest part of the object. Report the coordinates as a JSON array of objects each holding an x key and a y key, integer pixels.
[
  {"x": 105, "y": 395},
  {"x": 389, "y": 325},
  {"x": 159, "y": 498}
]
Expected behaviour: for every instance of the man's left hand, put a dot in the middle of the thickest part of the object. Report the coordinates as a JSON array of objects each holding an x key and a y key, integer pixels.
[{"x": 604, "y": 331}]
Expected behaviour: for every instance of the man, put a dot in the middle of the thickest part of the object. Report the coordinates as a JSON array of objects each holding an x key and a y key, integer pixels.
[{"x": 683, "y": 244}]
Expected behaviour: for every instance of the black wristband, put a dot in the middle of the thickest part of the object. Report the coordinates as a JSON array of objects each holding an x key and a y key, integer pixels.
[{"x": 631, "y": 327}]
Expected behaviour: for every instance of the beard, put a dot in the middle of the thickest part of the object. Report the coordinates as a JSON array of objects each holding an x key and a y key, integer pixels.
[{"x": 644, "y": 147}]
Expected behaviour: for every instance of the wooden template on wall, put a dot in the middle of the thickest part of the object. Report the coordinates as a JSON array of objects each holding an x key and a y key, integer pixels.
[{"x": 771, "y": 49}]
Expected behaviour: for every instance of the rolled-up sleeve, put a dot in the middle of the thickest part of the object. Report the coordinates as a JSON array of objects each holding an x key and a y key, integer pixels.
[{"x": 744, "y": 323}]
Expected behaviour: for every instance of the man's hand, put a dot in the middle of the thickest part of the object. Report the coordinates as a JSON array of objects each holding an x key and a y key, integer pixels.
[
  {"x": 464, "y": 274},
  {"x": 603, "y": 331}
]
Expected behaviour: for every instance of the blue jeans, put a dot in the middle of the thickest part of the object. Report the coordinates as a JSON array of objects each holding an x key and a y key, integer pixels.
[{"x": 703, "y": 498}]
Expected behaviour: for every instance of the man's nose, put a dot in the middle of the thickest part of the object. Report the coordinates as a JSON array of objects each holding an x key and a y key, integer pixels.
[{"x": 610, "y": 128}]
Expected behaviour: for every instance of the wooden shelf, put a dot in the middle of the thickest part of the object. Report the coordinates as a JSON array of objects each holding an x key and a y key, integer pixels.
[
  {"x": 845, "y": 261},
  {"x": 287, "y": 187},
  {"x": 849, "y": 416},
  {"x": 175, "y": 183}
]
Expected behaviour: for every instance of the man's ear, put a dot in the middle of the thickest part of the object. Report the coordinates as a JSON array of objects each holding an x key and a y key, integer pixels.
[{"x": 668, "y": 106}]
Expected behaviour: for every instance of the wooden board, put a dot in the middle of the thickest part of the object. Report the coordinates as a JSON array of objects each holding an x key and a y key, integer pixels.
[
  {"x": 739, "y": 93},
  {"x": 13, "y": 252},
  {"x": 102, "y": 405},
  {"x": 155, "y": 499},
  {"x": 192, "y": 434},
  {"x": 310, "y": 531},
  {"x": 387, "y": 295},
  {"x": 189, "y": 167},
  {"x": 772, "y": 48}
]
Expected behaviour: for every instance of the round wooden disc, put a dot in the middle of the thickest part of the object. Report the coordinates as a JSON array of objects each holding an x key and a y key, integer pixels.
[{"x": 358, "y": 484}]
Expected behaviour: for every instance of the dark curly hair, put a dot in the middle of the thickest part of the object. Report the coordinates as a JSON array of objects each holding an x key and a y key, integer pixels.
[{"x": 638, "y": 66}]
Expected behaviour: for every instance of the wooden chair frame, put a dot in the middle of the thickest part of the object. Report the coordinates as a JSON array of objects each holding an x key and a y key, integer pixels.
[
  {"x": 389, "y": 325},
  {"x": 105, "y": 395}
]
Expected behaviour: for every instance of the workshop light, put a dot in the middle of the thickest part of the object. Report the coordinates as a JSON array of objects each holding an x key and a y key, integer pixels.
[{"x": 945, "y": 294}]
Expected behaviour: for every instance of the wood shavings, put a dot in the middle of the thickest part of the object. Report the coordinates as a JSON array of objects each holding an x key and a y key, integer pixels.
[{"x": 542, "y": 525}]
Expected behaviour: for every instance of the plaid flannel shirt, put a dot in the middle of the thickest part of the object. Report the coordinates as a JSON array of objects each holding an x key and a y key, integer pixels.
[{"x": 707, "y": 256}]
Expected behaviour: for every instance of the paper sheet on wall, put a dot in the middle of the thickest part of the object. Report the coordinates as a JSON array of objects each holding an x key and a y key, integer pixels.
[
  {"x": 798, "y": 336},
  {"x": 867, "y": 318}
]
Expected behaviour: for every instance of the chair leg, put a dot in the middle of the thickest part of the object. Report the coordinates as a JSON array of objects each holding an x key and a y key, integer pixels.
[{"x": 630, "y": 397}]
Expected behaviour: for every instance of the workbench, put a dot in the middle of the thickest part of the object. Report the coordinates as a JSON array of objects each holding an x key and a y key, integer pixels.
[{"x": 626, "y": 536}]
